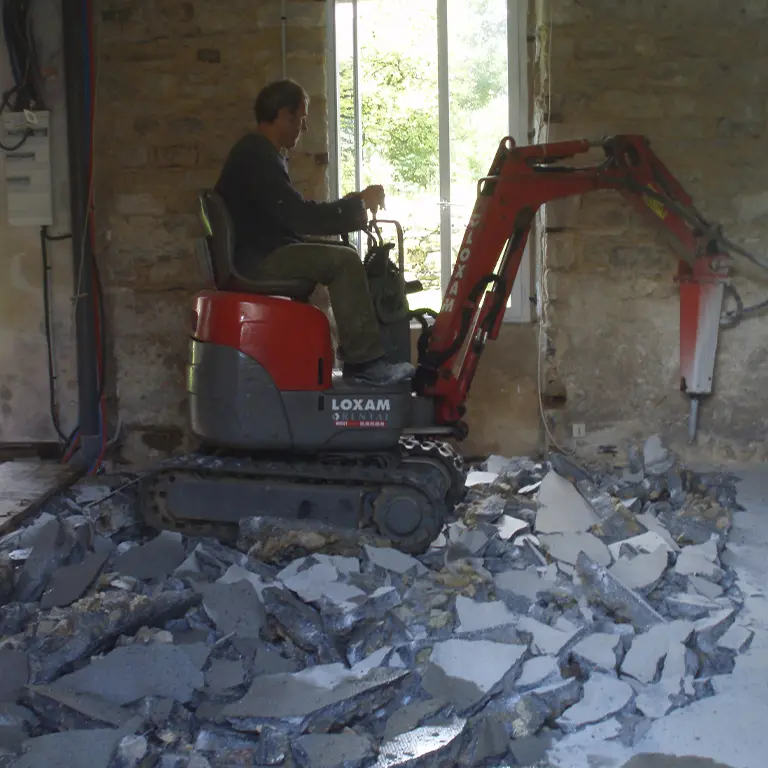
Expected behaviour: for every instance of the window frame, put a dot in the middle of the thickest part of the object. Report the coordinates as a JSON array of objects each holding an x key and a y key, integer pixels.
[{"x": 519, "y": 310}]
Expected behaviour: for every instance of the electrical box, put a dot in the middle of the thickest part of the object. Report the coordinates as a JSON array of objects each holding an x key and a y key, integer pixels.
[{"x": 29, "y": 190}]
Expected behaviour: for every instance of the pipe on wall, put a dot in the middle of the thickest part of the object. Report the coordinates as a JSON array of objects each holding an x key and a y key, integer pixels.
[{"x": 78, "y": 128}]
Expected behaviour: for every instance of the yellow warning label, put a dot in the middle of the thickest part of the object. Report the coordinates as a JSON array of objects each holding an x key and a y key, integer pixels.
[{"x": 655, "y": 205}]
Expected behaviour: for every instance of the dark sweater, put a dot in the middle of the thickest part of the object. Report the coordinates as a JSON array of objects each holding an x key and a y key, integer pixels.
[{"x": 267, "y": 211}]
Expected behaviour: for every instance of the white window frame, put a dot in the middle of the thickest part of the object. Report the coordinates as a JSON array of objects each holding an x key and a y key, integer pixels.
[{"x": 517, "y": 18}]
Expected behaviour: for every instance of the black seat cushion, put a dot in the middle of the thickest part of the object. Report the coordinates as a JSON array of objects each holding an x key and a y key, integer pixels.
[{"x": 292, "y": 289}]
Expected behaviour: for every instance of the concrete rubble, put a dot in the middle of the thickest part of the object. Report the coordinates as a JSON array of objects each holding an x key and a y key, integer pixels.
[{"x": 560, "y": 598}]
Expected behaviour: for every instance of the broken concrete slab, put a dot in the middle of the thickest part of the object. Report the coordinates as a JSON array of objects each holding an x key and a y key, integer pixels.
[
  {"x": 67, "y": 749},
  {"x": 309, "y": 584},
  {"x": 423, "y": 747},
  {"x": 537, "y": 672},
  {"x": 562, "y": 509},
  {"x": 339, "y": 750},
  {"x": 560, "y": 695},
  {"x": 604, "y": 589},
  {"x": 709, "y": 630},
  {"x": 526, "y": 584},
  {"x": 642, "y": 572},
  {"x": 234, "y": 608},
  {"x": 65, "y": 710},
  {"x": 705, "y": 587},
  {"x": 295, "y": 704},
  {"x": 736, "y": 639},
  {"x": 480, "y": 478},
  {"x": 657, "y": 460},
  {"x": 53, "y": 546},
  {"x": 14, "y": 674},
  {"x": 645, "y": 543},
  {"x": 156, "y": 559},
  {"x": 600, "y": 651},
  {"x": 224, "y": 674},
  {"x": 414, "y": 715},
  {"x": 604, "y": 697},
  {"x": 546, "y": 640},
  {"x": 132, "y": 672},
  {"x": 689, "y": 606},
  {"x": 236, "y": 573},
  {"x": 692, "y": 563},
  {"x": 566, "y": 547},
  {"x": 510, "y": 526},
  {"x": 655, "y": 701},
  {"x": 393, "y": 560},
  {"x": 648, "y": 521},
  {"x": 70, "y": 582},
  {"x": 475, "y": 616},
  {"x": 648, "y": 651}
]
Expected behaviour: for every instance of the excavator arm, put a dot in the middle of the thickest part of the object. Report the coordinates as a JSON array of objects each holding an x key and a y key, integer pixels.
[{"x": 519, "y": 182}]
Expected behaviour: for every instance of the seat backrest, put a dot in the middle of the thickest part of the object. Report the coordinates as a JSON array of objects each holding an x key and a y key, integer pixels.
[{"x": 219, "y": 236}]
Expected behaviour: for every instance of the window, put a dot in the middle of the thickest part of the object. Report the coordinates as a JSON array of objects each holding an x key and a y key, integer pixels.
[{"x": 421, "y": 92}]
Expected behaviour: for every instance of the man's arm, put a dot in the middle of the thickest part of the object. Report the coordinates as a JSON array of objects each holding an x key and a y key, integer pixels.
[{"x": 269, "y": 186}]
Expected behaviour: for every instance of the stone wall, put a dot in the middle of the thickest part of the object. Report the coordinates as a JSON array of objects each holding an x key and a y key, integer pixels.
[
  {"x": 692, "y": 76},
  {"x": 24, "y": 394},
  {"x": 176, "y": 87}
]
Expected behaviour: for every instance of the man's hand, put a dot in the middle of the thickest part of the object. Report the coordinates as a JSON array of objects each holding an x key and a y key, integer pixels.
[{"x": 373, "y": 198}]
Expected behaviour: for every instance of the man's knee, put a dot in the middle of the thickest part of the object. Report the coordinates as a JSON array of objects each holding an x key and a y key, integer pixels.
[{"x": 341, "y": 260}]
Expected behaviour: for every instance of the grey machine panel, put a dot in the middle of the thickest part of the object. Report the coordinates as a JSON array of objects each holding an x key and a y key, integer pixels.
[{"x": 233, "y": 402}]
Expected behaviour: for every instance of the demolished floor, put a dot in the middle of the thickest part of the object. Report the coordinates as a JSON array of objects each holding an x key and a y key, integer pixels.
[{"x": 570, "y": 617}]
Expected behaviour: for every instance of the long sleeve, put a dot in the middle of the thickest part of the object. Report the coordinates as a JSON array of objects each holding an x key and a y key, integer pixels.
[{"x": 269, "y": 187}]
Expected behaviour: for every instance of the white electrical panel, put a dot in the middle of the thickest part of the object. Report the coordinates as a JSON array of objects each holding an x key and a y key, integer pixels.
[{"x": 29, "y": 190}]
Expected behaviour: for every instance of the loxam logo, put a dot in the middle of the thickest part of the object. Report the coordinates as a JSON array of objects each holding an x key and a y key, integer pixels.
[
  {"x": 461, "y": 264},
  {"x": 355, "y": 404},
  {"x": 655, "y": 205}
]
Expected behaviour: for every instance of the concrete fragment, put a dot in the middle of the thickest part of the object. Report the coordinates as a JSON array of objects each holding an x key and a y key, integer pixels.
[
  {"x": 296, "y": 704},
  {"x": 480, "y": 478},
  {"x": 485, "y": 738},
  {"x": 509, "y": 527},
  {"x": 524, "y": 583},
  {"x": 236, "y": 573},
  {"x": 156, "y": 559},
  {"x": 545, "y": 640},
  {"x": 6, "y": 579},
  {"x": 481, "y": 662},
  {"x": 53, "y": 546},
  {"x": 376, "y": 659},
  {"x": 234, "y": 608},
  {"x": 559, "y": 696},
  {"x": 538, "y": 671},
  {"x": 657, "y": 460},
  {"x": 130, "y": 752},
  {"x": 562, "y": 509},
  {"x": 736, "y": 639},
  {"x": 687, "y": 606},
  {"x": 648, "y": 521},
  {"x": 70, "y": 582},
  {"x": 646, "y": 543},
  {"x": 94, "y": 748},
  {"x": 709, "y": 630},
  {"x": 693, "y": 563},
  {"x": 654, "y": 701},
  {"x": 340, "y": 750},
  {"x": 309, "y": 584},
  {"x": 132, "y": 672},
  {"x": 14, "y": 674},
  {"x": 532, "y": 750},
  {"x": 394, "y": 560},
  {"x": 566, "y": 547},
  {"x": 224, "y": 674},
  {"x": 605, "y": 589},
  {"x": 519, "y": 716},
  {"x": 413, "y": 715},
  {"x": 301, "y": 623},
  {"x": 634, "y": 728},
  {"x": 475, "y": 616},
  {"x": 599, "y": 651},
  {"x": 66, "y": 710},
  {"x": 642, "y": 572},
  {"x": 681, "y": 662},
  {"x": 423, "y": 747},
  {"x": 604, "y": 696},
  {"x": 705, "y": 587},
  {"x": 644, "y": 659}
]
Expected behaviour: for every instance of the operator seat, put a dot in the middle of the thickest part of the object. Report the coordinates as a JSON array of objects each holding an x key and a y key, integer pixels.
[{"x": 219, "y": 263}]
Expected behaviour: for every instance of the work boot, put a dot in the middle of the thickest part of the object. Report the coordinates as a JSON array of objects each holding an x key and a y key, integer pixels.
[{"x": 378, "y": 373}]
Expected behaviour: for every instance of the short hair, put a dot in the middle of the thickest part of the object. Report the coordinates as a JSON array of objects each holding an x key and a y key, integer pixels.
[{"x": 281, "y": 94}]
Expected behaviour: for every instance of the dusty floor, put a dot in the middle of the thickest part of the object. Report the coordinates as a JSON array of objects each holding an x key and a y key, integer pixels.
[{"x": 730, "y": 728}]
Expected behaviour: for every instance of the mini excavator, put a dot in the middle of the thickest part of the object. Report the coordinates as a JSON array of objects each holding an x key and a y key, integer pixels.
[{"x": 283, "y": 436}]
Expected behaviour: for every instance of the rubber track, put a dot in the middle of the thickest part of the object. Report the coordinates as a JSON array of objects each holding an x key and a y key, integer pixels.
[{"x": 342, "y": 470}]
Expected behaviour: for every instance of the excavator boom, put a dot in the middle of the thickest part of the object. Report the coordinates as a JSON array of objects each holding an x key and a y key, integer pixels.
[{"x": 519, "y": 182}]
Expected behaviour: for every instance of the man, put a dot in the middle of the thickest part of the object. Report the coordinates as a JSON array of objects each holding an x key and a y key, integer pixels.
[{"x": 270, "y": 217}]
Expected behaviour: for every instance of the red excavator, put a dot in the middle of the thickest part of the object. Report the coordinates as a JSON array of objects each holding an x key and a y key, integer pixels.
[{"x": 284, "y": 436}]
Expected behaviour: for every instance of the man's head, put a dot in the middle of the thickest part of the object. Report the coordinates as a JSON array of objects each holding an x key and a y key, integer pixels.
[{"x": 281, "y": 112}]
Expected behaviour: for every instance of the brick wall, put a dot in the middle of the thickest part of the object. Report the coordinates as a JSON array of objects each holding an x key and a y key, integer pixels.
[
  {"x": 176, "y": 86},
  {"x": 693, "y": 77}
]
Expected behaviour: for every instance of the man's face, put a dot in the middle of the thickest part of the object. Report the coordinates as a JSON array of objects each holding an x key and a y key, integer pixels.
[{"x": 292, "y": 125}]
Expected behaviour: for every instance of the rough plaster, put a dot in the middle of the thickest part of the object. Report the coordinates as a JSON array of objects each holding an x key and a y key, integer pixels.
[{"x": 24, "y": 410}]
